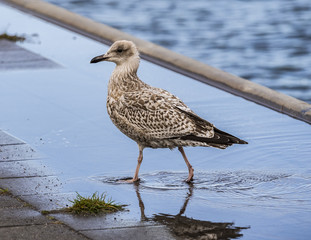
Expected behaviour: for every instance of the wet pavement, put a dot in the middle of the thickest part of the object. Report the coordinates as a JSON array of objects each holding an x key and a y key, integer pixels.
[
  {"x": 258, "y": 191},
  {"x": 19, "y": 219}
]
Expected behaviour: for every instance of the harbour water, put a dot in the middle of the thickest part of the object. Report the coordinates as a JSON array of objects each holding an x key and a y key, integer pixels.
[{"x": 268, "y": 42}]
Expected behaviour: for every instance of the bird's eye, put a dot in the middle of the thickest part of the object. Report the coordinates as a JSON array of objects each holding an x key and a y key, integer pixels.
[{"x": 119, "y": 50}]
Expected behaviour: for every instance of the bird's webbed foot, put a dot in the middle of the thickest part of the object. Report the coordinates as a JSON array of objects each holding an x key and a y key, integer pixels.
[
  {"x": 128, "y": 180},
  {"x": 189, "y": 179}
]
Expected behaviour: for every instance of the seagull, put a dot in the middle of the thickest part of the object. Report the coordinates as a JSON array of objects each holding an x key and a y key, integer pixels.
[{"x": 153, "y": 117}]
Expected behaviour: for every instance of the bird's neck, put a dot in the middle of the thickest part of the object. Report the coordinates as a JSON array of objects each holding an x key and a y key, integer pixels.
[
  {"x": 125, "y": 69},
  {"x": 124, "y": 77}
]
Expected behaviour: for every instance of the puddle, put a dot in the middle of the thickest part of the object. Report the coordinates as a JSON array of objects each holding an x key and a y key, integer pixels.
[
  {"x": 180, "y": 225},
  {"x": 212, "y": 181},
  {"x": 229, "y": 187},
  {"x": 189, "y": 228}
]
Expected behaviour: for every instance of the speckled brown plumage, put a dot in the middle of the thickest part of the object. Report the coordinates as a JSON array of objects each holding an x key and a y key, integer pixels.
[{"x": 151, "y": 116}]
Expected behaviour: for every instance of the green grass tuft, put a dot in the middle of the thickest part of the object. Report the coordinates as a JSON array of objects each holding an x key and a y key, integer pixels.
[
  {"x": 12, "y": 38},
  {"x": 45, "y": 212},
  {"x": 93, "y": 205},
  {"x": 4, "y": 191}
]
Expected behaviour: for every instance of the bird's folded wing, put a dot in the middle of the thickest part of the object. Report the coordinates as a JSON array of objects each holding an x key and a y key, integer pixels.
[{"x": 159, "y": 114}]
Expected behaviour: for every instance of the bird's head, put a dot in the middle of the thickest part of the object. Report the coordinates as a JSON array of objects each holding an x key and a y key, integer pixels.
[{"x": 120, "y": 52}]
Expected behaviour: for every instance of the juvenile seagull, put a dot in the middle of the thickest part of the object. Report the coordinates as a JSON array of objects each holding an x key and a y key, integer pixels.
[{"x": 151, "y": 116}]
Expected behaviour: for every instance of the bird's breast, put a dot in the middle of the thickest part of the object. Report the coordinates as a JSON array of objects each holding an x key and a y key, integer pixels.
[{"x": 111, "y": 105}]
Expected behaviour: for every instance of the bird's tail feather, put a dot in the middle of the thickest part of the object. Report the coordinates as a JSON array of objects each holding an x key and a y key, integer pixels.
[
  {"x": 234, "y": 139},
  {"x": 220, "y": 137}
]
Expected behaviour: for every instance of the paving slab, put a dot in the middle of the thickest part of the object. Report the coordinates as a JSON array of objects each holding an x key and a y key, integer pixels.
[
  {"x": 137, "y": 233},
  {"x": 17, "y": 152},
  {"x": 23, "y": 168},
  {"x": 39, "y": 232},
  {"x": 7, "y": 139},
  {"x": 7, "y": 201},
  {"x": 19, "y": 220},
  {"x": 14, "y": 57},
  {"x": 50, "y": 201},
  {"x": 101, "y": 221},
  {"x": 31, "y": 185},
  {"x": 21, "y": 217},
  {"x": 7, "y": 46}
]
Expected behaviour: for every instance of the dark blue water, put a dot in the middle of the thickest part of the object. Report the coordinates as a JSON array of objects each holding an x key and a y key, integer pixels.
[{"x": 266, "y": 41}]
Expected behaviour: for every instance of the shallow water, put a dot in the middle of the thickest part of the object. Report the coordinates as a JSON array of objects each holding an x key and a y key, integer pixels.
[
  {"x": 268, "y": 42},
  {"x": 235, "y": 188}
]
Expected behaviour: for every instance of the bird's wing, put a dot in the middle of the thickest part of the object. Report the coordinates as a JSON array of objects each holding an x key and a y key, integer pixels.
[
  {"x": 217, "y": 139},
  {"x": 203, "y": 128},
  {"x": 161, "y": 115}
]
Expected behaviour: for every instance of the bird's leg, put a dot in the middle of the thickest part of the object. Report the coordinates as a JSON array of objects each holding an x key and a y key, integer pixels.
[
  {"x": 190, "y": 176},
  {"x": 139, "y": 161}
]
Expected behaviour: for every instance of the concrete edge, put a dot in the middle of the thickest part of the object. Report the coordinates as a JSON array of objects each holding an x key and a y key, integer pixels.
[{"x": 169, "y": 59}]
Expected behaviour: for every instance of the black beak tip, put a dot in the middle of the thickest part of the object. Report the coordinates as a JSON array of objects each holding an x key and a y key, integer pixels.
[
  {"x": 94, "y": 60},
  {"x": 99, "y": 59}
]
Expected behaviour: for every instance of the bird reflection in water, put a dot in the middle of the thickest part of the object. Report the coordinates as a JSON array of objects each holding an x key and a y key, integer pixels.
[{"x": 188, "y": 228}]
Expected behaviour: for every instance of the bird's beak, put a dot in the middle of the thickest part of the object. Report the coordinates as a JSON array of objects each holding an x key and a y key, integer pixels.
[{"x": 99, "y": 58}]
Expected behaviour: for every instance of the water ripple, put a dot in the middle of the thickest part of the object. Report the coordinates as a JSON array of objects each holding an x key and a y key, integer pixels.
[{"x": 252, "y": 188}]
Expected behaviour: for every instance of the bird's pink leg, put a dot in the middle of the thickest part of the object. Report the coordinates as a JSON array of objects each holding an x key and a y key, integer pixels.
[
  {"x": 139, "y": 161},
  {"x": 190, "y": 176}
]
